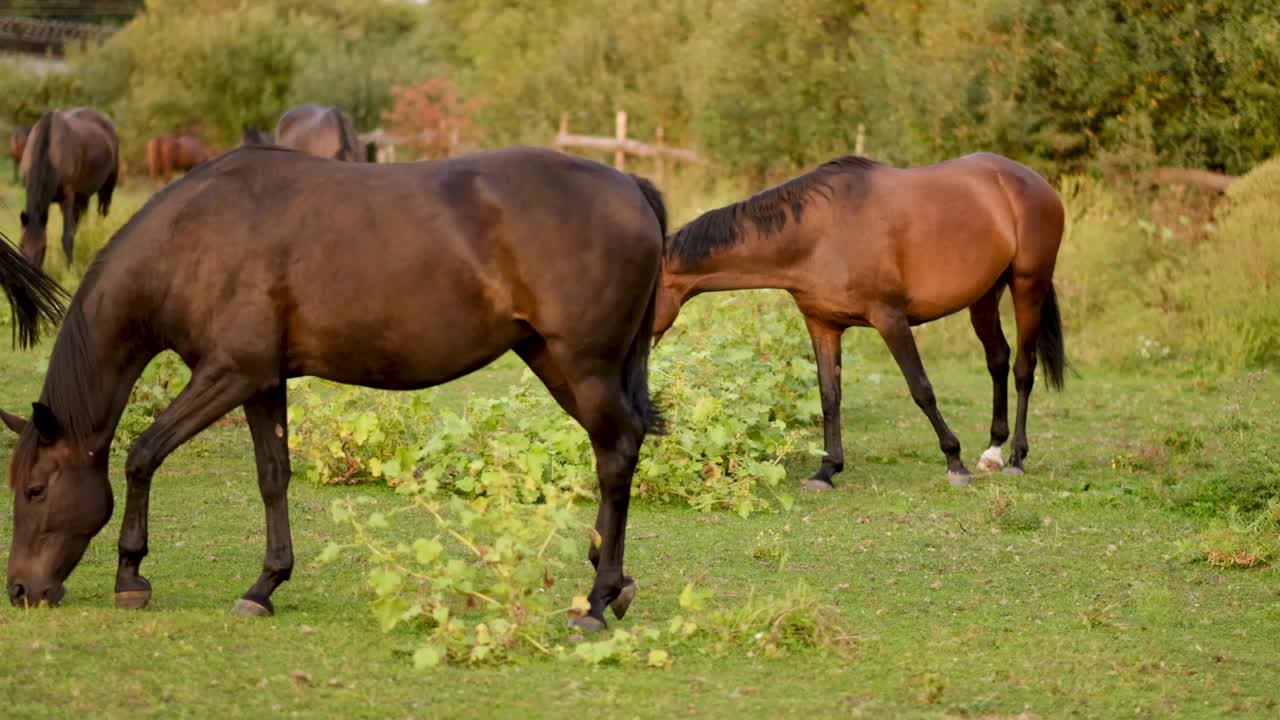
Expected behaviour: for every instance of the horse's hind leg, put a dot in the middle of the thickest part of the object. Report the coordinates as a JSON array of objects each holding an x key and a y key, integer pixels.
[
  {"x": 214, "y": 390},
  {"x": 72, "y": 208},
  {"x": 985, "y": 316},
  {"x": 896, "y": 331},
  {"x": 270, "y": 430},
  {"x": 1029, "y": 293},
  {"x": 613, "y": 458},
  {"x": 106, "y": 191}
]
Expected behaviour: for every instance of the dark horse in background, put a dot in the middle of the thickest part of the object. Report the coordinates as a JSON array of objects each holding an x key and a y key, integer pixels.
[
  {"x": 18, "y": 143},
  {"x": 857, "y": 243},
  {"x": 265, "y": 264},
  {"x": 256, "y": 136},
  {"x": 69, "y": 156},
  {"x": 168, "y": 154},
  {"x": 320, "y": 130}
]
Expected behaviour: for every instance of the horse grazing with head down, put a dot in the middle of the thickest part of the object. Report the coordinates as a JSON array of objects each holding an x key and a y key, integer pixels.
[
  {"x": 265, "y": 264},
  {"x": 320, "y": 130},
  {"x": 857, "y": 243},
  {"x": 18, "y": 143},
  {"x": 69, "y": 156},
  {"x": 167, "y": 154}
]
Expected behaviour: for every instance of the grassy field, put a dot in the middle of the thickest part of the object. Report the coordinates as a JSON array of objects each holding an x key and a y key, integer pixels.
[{"x": 1074, "y": 602}]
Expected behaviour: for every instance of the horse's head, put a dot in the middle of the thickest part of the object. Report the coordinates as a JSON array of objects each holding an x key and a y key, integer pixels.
[
  {"x": 61, "y": 500},
  {"x": 33, "y": 235},
  {"x": 674, "y": 290}
]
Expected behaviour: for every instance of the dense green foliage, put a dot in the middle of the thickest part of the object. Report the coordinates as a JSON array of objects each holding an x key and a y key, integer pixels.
[{"x": 762, "y": 86}]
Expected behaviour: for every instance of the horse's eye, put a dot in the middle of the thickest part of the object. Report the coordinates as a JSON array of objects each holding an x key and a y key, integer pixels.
[{"x": 35, "y": 493}]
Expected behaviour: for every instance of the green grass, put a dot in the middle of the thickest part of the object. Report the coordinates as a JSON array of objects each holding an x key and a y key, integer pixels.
[{"x": 1073, "y": 602}]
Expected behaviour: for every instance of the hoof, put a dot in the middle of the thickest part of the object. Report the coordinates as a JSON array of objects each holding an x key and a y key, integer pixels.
[
  {"x": 245, "y": 607},
  {"x": 133, "y": 599},
  {"x": 586, "y": 623},
  {"x": 958, "y": 479},
  {"x": 817, "y": 485},
  {"x": 992, "y": 460},
  {"x": 623, "y": 601},
  {"x": 1013, "y": 470}
]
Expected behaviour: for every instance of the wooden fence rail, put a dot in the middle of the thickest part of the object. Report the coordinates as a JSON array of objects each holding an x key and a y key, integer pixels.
[{"x": 621, "y": 146}]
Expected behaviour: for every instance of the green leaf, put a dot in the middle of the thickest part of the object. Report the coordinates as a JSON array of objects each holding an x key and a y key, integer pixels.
[
  {"x": 378, "y": 520},
  {"x": 426, "y": 551},
  {"x": 692, "y": 598},
  {"x": 330, "y": 553},
  {"x": 385, "y": 581},
  {"x": 427, "y": 656},
  {"x": 389, "y": 611}
]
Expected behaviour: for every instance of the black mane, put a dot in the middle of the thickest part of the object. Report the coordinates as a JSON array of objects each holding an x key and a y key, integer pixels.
[{"x": 766, "y": 210}]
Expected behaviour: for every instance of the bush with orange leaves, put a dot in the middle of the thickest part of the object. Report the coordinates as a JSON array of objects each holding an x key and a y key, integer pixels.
[{"x": 431, "y": 118}]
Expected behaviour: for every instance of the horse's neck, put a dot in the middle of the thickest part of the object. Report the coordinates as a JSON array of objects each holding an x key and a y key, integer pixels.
[
  {"x": 757, "y": 261},
  {"x": 118, "y": 359}
]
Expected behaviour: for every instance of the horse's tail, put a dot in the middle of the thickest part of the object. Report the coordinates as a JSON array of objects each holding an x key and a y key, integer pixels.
[
  {"x": 348, "y": 142},
  {"x": 1050, "y": 344},
  {"x": 35, "y": 300},
  {"x": 42, "y": 180},
  {"x": 635, "y": 376}
]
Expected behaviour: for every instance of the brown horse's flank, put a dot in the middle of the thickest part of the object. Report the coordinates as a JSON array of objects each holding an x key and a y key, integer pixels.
[{"x": 857, "y": 243}]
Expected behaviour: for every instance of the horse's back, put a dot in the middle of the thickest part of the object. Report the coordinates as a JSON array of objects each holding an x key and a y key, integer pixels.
[{"x": 353, "y": 266}]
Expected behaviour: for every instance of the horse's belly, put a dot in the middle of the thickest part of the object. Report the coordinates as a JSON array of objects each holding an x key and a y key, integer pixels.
[{"x": 419, "y": 352}]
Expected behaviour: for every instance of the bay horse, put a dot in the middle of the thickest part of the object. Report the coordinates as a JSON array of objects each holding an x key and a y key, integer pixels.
[
  {"x": 167, "y": 154},
  {"x": 265, "y": 264},
  {"x": 858, "y": 243},
  {"x": 69, "y": 156},
  {"x": 319, "y": 130},
  {"x": 18, "y": 143}
]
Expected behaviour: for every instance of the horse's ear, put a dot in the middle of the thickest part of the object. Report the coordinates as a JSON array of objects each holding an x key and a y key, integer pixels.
[
  {"x": 46, "y": 422},
  {"x": 24, "y": 218},
  {"x": 13, "y": 422}
]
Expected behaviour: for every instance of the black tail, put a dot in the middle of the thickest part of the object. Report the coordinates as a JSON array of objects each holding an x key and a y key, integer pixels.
[
  {"x": 35, "y": 300},
  {"x": 1053, "y": 352},
  {"x": 635, "y": 366},
  {"x": 42, "y": 181},
  {"x": 347, "y": 138}
]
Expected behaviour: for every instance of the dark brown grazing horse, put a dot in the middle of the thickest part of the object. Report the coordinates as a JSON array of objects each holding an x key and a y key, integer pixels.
[
  {"x": 168, "y": 154},
  {"x": 857, "y": 243},
  {"x": 17, "y": 143},
  {"x": 320, "y": 130},
  {"x": 69, "y": 156},
  {"x": 265, "y": 264}
]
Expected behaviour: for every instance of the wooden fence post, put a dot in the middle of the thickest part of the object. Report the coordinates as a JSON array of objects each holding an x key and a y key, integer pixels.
[
  {"x": 662, "y": 161},
  {"x": 620, "y": 134},
  {"x": 858, "y": 143}
]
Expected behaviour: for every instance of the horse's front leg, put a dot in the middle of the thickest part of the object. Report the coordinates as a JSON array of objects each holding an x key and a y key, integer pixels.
[
  {"x": 826, "y": 350},
  {"x": 269, "y": 426},
  {"x": 213, "y": 391},
  {"x": 72, "y": 206}
]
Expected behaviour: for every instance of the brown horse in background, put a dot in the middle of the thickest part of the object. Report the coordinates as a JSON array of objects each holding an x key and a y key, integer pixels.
[
  {"x": 857, "y": 243},
  {"x": 18, "y": 143},
  {"x": 265, "y": 264},
  {"x": 319, "y": 130},
  {"x": 69, "y": 156},
  {"x": 167, "y": 154}
]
